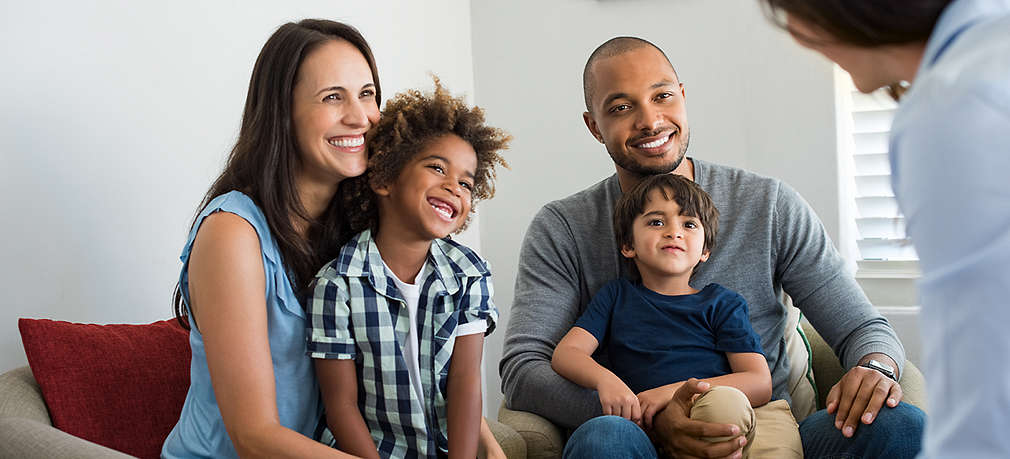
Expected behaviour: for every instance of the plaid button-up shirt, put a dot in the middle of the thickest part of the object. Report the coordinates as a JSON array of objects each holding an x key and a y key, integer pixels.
[{"x": 356, "y": 312}]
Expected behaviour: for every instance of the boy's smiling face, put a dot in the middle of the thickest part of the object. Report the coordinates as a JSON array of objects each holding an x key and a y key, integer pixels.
[
  {"x": 431, "y": 197},
  {"x": 666, "y": 243}
]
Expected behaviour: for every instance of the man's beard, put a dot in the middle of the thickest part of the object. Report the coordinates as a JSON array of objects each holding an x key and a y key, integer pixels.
[{"x": 628, "y": 163}]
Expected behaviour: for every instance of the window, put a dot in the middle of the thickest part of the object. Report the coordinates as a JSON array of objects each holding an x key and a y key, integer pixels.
[
  {"x": 875, "y": 236},
  {"x": 872, "y": 235}
]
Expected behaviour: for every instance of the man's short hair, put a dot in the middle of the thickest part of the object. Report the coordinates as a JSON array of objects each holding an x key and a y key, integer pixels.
[
  {"x": 693, "y": 202},
  {"x": 613, "y": 47}
]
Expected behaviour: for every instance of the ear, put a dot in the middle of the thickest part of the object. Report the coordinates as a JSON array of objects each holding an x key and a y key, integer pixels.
[
  {"x": 682, "y": 92},
  {"x": 628, "y": 251},
  {"x": 379, "y": 189},
  {"x": 591, "y": 124},
  {"x": 704, "y": 255}
]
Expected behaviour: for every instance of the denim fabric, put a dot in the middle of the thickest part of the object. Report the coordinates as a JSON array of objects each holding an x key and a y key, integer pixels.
[
  {"x": 895, "y": 434},
  {"x": 609, "y": 436}
]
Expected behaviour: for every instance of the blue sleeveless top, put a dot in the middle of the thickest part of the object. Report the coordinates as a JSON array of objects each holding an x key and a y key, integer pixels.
[{"x": 200, "y": 431}]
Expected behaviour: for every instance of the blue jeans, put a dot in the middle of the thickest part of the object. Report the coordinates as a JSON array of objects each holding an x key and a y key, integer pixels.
[
  {"x": 609, "y": 436},
  {"x": 895, "y": 434}
]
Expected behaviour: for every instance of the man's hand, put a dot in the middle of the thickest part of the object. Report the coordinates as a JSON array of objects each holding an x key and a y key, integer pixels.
[
  {"x": 617, "y": 399},
  {"x": 859, "y": 395},
  {"x": 653, "y": 401},
  {"x": 682, "y": 437}
]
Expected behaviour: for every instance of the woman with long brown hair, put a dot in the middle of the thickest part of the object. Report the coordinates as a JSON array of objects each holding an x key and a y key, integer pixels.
[
  {"x": 267, "y": 223},
  {"x": 949, "y": 153}
]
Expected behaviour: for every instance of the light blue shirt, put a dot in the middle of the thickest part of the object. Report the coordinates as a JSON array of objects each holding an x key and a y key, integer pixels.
[
  {"x": 950, "y": 159},
  {"x": 200, "y": 431}
]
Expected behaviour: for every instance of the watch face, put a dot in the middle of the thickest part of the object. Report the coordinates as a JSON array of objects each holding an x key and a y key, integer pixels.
[{"x": 881, "y": 367}]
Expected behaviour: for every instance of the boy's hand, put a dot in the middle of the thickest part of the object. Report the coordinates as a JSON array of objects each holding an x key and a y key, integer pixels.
[
  {"x": 617, "y": 399},
  {"x": 653, "y": 401}
]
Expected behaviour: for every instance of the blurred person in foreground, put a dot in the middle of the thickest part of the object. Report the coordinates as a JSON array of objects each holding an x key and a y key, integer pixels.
[{"x": 949, "y": 152}]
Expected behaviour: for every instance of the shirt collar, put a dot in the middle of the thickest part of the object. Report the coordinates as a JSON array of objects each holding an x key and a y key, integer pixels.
[
  {"x": 957, "y": 17},
  {"x": 451, "y": 261},
  {"x": 454, "y": 261}
]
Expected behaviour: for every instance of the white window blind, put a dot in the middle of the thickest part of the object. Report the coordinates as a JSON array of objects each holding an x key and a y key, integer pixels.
[{"x": 880, "y": 227}]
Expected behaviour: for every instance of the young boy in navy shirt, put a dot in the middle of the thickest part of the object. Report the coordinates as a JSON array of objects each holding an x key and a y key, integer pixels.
[{"x": 658, "y": 331}]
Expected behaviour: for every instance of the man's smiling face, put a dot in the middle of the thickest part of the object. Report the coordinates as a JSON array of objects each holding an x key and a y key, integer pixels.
[{"x": 638, "y": 111}]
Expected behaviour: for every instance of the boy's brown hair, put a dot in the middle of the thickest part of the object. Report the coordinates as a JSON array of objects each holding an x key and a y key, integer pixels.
[
  {"x": 409, "y": 122},
  {"x": 693, "y": 202}
]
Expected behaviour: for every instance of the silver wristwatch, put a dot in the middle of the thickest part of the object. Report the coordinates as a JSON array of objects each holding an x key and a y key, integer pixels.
[{"x": 884, "y": 368}]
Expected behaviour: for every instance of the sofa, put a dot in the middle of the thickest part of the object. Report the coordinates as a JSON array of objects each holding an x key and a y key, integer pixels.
[
  {"x": 809, "y": 386},
  {"x": 27, "y": 428},
  {"x": 93, "y": 382}
]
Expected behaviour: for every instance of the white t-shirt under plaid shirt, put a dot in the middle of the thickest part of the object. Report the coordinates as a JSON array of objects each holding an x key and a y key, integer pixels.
[{"x": 357, "y": 312}]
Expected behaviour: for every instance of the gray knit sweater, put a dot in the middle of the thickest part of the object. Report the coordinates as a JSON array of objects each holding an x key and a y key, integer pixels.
[{"x": 769, "y": 240}]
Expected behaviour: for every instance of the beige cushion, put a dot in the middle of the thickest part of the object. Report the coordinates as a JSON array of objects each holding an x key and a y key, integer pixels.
[{"x": 802, "y": 388}]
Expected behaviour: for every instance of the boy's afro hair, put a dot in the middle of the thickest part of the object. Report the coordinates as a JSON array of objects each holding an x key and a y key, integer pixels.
[{"x": 409, "y": 122}]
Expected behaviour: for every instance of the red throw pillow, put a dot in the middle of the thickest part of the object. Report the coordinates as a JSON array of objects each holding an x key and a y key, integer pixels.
[{"x": 121, "y": 386}]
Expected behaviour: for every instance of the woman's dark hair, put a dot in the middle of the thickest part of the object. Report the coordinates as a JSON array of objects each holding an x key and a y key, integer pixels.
[
  {"x": 264, "y": 160},
  {"x": 866, "y": 23}
]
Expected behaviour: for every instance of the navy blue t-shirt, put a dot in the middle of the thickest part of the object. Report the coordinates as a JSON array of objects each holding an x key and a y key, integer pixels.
[{"x": 653, "y": 340}]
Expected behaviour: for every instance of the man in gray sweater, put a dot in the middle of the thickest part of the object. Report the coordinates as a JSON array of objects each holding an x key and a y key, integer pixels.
[{"x": 770, "y": 240}]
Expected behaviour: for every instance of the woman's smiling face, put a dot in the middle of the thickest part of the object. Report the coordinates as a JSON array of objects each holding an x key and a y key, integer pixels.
[{"x": 333, "y": 106}]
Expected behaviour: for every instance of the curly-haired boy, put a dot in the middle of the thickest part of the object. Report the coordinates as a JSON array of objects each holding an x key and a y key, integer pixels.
[{"x": 398, "y": 319}]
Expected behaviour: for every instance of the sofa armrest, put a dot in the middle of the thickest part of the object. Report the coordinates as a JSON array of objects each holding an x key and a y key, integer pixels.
[
  {"x": 828, "y": 371},
  {"x": 26, "y": 430},
  {"x": 913, "y": 386},
  {"x": 27, "y": 439},
  {"x": 543, "y": 438},
  {"x": 20, "y": 396},
  {"x": 512, "y": 444}
]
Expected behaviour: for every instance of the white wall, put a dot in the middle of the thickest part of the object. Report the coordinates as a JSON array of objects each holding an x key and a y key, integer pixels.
[
  {"x": 754, "y": 99},
  {"x": 116, "y": 117}
]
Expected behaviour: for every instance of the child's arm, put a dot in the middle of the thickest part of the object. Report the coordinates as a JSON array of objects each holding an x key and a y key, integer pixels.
[
  {"x": 750, "y": 375},
  {"x": 573, "y": 360},
  {"x": 464, "y": 396},
  {"x": 338, "y": 384},
  {"x": 488, "y": 448}
]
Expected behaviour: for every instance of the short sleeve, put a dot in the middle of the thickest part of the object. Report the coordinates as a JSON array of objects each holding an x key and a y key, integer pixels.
[
  {"x": 472, "y": 328},
  {"x": 330, "y": 334},
  {"x": 734, "y": 332},
  {"x": 596, "y": 318},
  {"x": 477, "y": 306}
]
